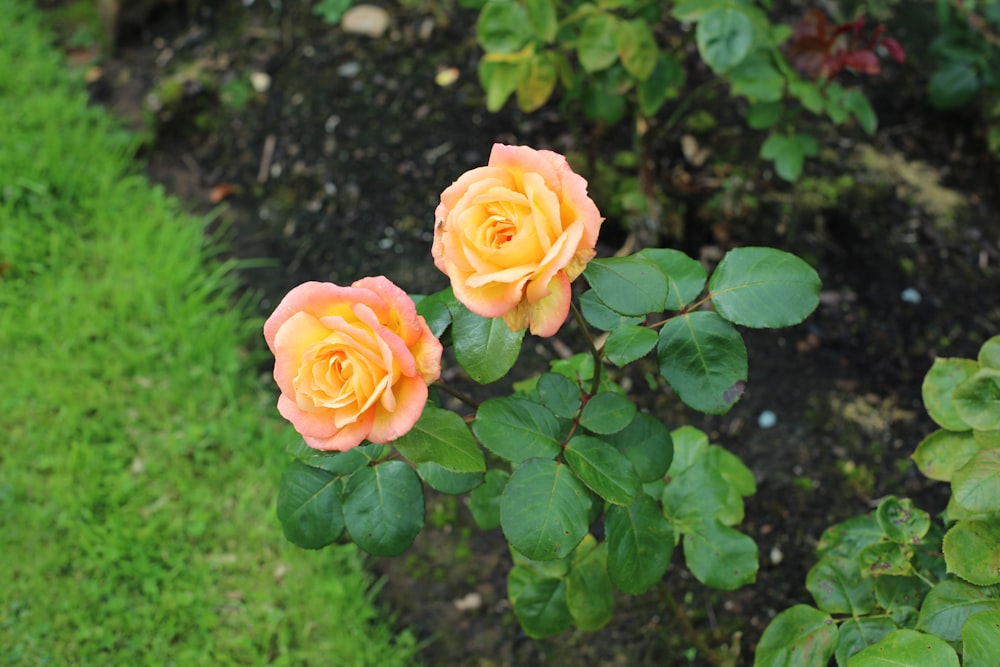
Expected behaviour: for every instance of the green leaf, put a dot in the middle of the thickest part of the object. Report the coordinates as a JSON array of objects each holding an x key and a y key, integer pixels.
[
  {"x": 756, "y": 79},
  {"x": 838, "y": 587},
  {"x": 637, "y": 48},
  {"x": 704, "y": 360},
  {"x": 987, "y": 439},
  {"x": 906, "y": 647},
  {"x": 499, "y": 80},
  {"x": 939, "y": 386},
  {"x": 559, "y": 394},
  {"x": 640, "y": 542},
  {"x": 663, "y": 84},
  {"x": 447, "y": 481},
  {"x": 384, "y": 508},
  {"x": 977, "y": 400},
  {"x": 856, "y": 102},
  {"x": 539, "y": 602},
  {"x": 607, "y": 412},
  {"x": 309, "y": 506},
  {"x": 859, "y": 633},
  {"x": 976, "y": 485},
  {"x": 537, "y": 79},
  {"x": 589, "y": 595},
  {"x": 544, "y": 509},
  {"x": 602, "y": 97},
  {"x": 690, "y": 447},
  {"x": 597, "y": 313},
  {"x": 901, "y": 521},
  {"x": 685, "y": 276},
  {"x": 972, "y": 551},
  {"x": 981, "y": 639},
  {"x": 900, "y": 597},
  {"x": 947, "y": 606},
  {"x": 517, "y": 429},
  {"x": 542, "y": 19},
  {"x": 596, "y": 46},
  {"x": 485, "y": 347},
  {"x": 699, "y": 493},
  {"x": 953, "y": 85},
  {"x": 434, "y": 308},
  {"x": 943, "y": 452},
  {"x": 800, "y": 636},
  {"x": 719, "y": 556},
  {"x": 764, "y": 115},
  {"x": 342, "y": 463},
  {"x": 808, "y": 93},
  {"x": 788, "y": 152},
  {"x": 646, "y": 442},
  {"x": 332, "y": 11},
  {"x": 737, "y": 475},
  {"x": 628, "y": 342},
  {"x": 724, "y": 37},
  {"x": 849, "y": 537},
  {"x": 884, "y": 559},
  {"x": 628, "y": 285},
  {"x": 441, "y": 436},
  {"x": 484, "y": 500},
  {"x": 503, "y": 27},
  {"x": 764, "y": 288},
  {"x": 605, "y": 470},
  {"x": 690, "y": 11},
  {"x": 989, "y": 353}
]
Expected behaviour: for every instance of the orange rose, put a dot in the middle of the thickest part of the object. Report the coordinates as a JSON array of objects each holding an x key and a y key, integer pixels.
[
  {"x": 352, "y": 363},
  {"x": 512, "y": 236}
]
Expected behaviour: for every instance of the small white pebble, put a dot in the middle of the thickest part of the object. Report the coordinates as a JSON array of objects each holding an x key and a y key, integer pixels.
[
  {"x": 260, "y": 81},
  {"x": 767, "y": 419},
  {"x": 470, "y": 602},
  {"x": 910, "y": 295},
  {"x": 776, "y": 555}
]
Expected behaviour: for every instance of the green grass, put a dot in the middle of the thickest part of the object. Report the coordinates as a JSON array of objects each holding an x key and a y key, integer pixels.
[{"x": 140, "y": 451}]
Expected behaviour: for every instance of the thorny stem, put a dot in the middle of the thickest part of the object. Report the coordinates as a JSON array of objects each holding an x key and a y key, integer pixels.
[
  {"x": 693, "y": 635},
  {"x": 595, "y": 382},
  {"x": 457, "y": 393}
]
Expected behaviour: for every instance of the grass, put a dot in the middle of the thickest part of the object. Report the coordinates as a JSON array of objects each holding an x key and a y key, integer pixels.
[{"x": 141, "y": 452}]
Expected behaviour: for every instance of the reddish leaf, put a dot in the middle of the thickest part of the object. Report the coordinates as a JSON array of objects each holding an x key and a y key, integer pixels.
[
  {"x": 812, "y": 25},
  {"x": 865, "y": 62},
  {"x": 221, "y": 192},
  {"x": 894, "y": 49}
]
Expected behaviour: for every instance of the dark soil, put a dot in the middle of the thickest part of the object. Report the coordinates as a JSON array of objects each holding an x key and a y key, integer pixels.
[{"x": 333, "y": 173}]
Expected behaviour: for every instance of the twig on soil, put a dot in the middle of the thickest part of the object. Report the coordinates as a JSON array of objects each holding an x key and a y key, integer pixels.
[{"x": 265, "y": 159}]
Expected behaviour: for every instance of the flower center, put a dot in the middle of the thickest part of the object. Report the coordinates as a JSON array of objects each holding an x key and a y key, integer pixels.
[{"x": 500, "y": 231}]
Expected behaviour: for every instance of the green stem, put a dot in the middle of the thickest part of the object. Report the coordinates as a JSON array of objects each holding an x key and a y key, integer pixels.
[
  {"x": 595, "y": 382},
  {"x": 457, "y": 393},
  {"x": 692, "y": 634}
]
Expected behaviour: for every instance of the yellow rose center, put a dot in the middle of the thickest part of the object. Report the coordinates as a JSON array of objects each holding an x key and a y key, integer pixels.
[
  {"x": 335, "y": 376},
  {"x": 499, "y": 231}
]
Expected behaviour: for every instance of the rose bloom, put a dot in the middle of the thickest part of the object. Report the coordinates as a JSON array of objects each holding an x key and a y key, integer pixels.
[
  {"x": 512, "y": 235},
  {"x": 353, "y": 363}
]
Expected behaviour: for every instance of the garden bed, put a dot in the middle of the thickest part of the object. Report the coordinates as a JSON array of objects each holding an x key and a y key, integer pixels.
[{"x": 330, "y": 150}]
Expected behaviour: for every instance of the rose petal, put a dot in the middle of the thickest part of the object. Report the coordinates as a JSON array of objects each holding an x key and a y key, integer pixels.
[
  {"x": 411, "y": 396},
  {"x": 549, "y": 313},
  {"x": 289, "y": 343},
  {"x": 318, "y": 424},
  {"x": 346, "y": 438},
  {"x": 320, "y": 299}
]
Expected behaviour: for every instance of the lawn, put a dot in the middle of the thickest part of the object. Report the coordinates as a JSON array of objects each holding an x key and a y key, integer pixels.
[{"x": 141, "y": 448}]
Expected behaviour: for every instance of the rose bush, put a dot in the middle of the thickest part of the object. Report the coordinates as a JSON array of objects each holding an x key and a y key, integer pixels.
[
  {"x": 352, "y": 363},
  {"x": 514, "y": 234}
]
